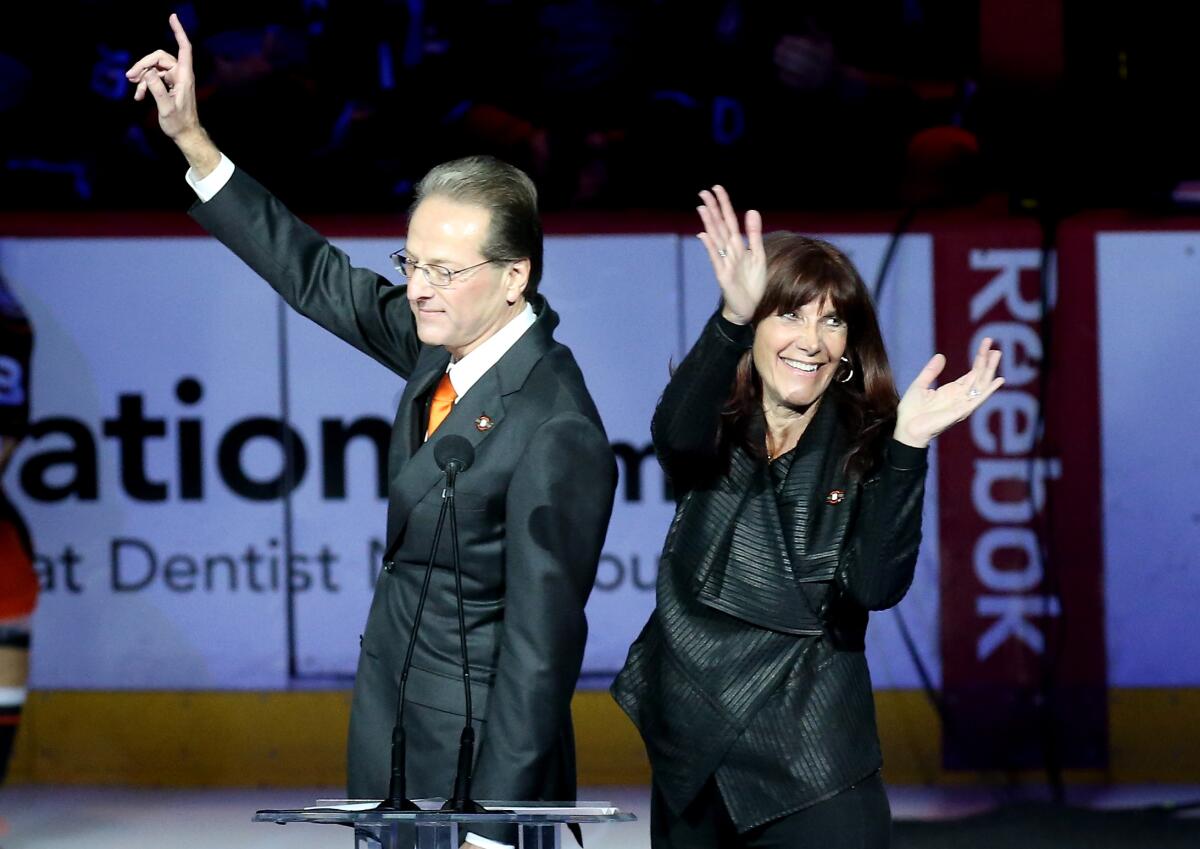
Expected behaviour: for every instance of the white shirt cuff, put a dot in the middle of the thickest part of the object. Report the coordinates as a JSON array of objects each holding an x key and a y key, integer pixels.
[
  {"x": 483, "y": 843},
  {"x": 207, "y": 188}
]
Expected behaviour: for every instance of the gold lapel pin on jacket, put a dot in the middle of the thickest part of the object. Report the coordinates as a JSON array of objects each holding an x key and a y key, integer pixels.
[
  {"x": 835, "y": 497},
  {"x": 484, "y": 423}
]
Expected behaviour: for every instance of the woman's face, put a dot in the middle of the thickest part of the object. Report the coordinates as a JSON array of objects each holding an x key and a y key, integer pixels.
[{"x": 797, "y": 354}]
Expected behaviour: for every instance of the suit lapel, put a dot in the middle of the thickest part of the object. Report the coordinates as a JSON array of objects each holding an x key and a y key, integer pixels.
[
  {"x": 774, "y": 560},
  {"x": 755, "y": 581},
  {"x": 430, "y": 367},
  {"x": 477, "y": 413},
  {"x": 421, "y": 473},
  {"x": 418, "y": 470},
  {"x": 407, "y": 434},
  {"x": 514, "y": 367}
]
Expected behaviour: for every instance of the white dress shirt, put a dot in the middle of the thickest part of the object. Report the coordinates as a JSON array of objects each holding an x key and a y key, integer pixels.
[{"x": 466, "y": 372}]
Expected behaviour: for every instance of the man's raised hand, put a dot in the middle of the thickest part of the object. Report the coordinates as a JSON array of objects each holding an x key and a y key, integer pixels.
[{"x": 172, "y": 83}]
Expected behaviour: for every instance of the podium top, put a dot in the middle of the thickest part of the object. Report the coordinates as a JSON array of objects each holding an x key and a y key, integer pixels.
[{"x": 360, "y": 812}]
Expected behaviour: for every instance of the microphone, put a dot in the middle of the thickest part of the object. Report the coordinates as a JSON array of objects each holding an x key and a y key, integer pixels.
[{"x": 453, "y": 454}]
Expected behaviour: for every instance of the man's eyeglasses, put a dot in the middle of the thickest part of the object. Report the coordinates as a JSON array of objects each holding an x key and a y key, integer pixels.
[{"x": 436, "y": 275}]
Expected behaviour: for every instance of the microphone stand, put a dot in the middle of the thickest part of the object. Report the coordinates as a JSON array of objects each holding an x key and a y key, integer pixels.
[
  {"x": 397, "y": 799},
  {"x": 461, "y": 802}
]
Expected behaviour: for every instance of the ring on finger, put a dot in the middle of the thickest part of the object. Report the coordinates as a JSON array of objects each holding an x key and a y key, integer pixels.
[
  {"x": 722, "y": 253},
  {"x": 972, "y": 392}
]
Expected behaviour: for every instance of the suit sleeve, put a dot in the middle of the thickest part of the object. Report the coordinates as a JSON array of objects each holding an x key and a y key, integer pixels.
[
  {"x": 559, "y": 502},
  {"x": 882, "y": 555},
  {"x": 686, "y": 421},
  {"x": 310, "y": 274}
]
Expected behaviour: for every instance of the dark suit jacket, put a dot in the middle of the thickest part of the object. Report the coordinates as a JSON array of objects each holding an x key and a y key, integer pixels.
[
  {"x": 532, "y": 514},
  {"x": 752, "y": 668}
]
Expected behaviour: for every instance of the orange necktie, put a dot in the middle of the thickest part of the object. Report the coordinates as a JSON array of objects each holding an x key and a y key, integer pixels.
[{"x": 443, "y": 402}]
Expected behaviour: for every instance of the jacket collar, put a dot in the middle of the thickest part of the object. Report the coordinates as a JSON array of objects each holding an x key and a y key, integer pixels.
[
  {"x": 769, "y": 558},
  {"x": 475, "y": 416}
]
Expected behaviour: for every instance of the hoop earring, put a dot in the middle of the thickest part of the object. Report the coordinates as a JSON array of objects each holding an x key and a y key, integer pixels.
[{"x": 849, "y": 374}]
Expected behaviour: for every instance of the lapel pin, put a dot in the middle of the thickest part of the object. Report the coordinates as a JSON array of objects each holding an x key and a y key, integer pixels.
[
  {"x": 484, "y": 423},
  {"x": 835, "y": 497}
]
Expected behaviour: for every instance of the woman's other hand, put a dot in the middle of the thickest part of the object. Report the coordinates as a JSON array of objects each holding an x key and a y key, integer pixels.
[{"x": 925, "y": 412}]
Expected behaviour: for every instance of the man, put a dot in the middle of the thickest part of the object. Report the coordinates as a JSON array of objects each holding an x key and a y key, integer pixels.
[{"x": 474, "y": 341}]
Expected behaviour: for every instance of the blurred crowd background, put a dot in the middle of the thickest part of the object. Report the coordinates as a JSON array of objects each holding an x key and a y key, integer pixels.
[{"x": 340, "y": 106}]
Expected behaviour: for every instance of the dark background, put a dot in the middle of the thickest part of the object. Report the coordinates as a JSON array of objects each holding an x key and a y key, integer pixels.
[{"x": 815, "y": 104}]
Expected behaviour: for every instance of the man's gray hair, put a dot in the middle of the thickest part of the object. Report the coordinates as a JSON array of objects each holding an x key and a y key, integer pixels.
[{"x": 504, "y": 190}]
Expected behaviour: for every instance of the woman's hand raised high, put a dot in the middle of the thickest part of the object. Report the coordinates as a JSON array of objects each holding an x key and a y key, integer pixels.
[{"x": 741, "y": 268}]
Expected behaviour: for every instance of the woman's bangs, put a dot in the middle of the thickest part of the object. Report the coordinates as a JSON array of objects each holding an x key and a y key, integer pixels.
[{"x": 803, "y": 289}]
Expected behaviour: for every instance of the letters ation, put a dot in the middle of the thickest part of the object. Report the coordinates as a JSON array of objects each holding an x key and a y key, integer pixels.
[{"x": 52, "y": 472}]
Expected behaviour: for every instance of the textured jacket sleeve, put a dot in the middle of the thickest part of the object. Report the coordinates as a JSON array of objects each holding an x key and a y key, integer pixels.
[
  {"x": 558, "y": 506},
  {"x": 313, "y": 276},
  {"x": 685, "y": 424},
  {"x": 882, "y": 546}
]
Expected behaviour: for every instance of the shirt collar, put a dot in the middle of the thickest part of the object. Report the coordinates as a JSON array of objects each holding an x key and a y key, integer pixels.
[{"x": 466, "y": 372}]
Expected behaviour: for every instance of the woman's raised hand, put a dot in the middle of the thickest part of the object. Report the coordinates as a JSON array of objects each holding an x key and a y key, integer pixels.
[
  {"x": 925, "y": 412},
  {"x": 741, "y": 268}
]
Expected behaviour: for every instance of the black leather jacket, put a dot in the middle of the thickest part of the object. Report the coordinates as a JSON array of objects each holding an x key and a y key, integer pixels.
[{"x": 751, "y": 666}]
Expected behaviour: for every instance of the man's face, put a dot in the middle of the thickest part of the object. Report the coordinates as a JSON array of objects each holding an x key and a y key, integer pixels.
[{"x": 476, "y": 304}]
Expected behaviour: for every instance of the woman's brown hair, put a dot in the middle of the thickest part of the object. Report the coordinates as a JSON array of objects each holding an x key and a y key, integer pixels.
[{"x": 801, "y": 269}]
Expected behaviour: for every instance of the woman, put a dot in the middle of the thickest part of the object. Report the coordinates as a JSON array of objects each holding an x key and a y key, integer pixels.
[{"x": 799, "y": 476}]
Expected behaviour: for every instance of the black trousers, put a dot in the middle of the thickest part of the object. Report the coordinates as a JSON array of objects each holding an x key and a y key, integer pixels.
[{"x": 857, "y": 818}]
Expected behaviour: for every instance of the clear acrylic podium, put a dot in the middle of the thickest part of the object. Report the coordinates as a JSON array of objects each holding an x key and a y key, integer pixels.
[{"x": 538, "y": 823}]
